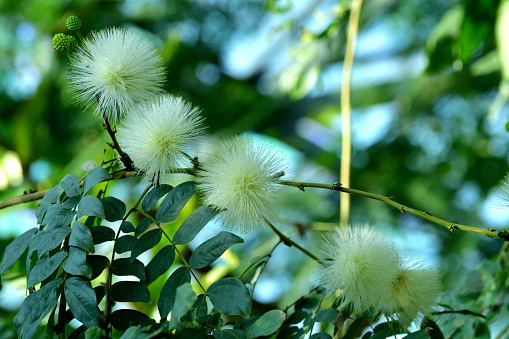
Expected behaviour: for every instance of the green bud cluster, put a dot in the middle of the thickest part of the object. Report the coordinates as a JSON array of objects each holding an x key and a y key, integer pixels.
[
  {"x": 73, "y": 43},
  {"x": 73, "y": 23},
  {"x": 61, "y": 42}
]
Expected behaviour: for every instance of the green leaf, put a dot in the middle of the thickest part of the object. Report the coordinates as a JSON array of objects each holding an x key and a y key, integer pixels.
[
  {"x": 15, "y": 249},
  {"x": 135, "y": 332},
  {"x": 41, "y": 212},
  {"x": 194, "y": 224},
  {"x": 267, "y": 324},
  {"x": 212, "y": 249},
  {"x": 46, "y": 240},
  {"x": 122, "y": 319},
  {"x": 130, "y": 291},
  {"x": 35, "y": 307},
  {"x": 71, "y": 203},
  {"x": 230, "y": 296},
  {"x": 435, "y": 332},
  {"x": 482, "y": 331},
  {"x": 114, "y": 209},
  {"x": 94, "y": 177},
  {"x": 81, "y": 237},
  {"x": 153, "y": 196},
  {"x": 244, "y": 324},
  {"x": 229, "y": 334},
  {"x": 200, "y": 307},
  {"x": 44, "y": 268},
  {"x": 146, "y": 242},
  {"x": 142, "y": 227},
  {"x": 384, "y": 333},
  {"x": 124, "y": 266},
  {"x": 82, "y": 301},
  {"x": 101, "y": 234},
  {"x": 53, "y": 195},
  {"x": 76, "y": 263},
  {"x": 184, "y": 300},
  {"x": 90, "y": 206},
  {"x": 393, "y": 326},
  {"x": 174, "y": 202},
  {"x": 321, "y": 335},
  {"x": 327, "y": 315},
  {"x": 127, "y": 227},
  {"x": 421, "y": 334},
  {"x": 57, "y": 217},
  {"x": 98, "y": 264},
  {"x": 168, "y": 292},
  {"x": 93, "y": 333},
  {"x": 125, "y": 243},
  {"x": 159, "y": 264},
  {"x": 71, "y": 185}
]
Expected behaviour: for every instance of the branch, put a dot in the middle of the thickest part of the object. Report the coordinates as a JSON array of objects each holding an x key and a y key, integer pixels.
[
  {"x": 492, "y": 233},
  {"x": 126, "y": 160},
  {"x": 288, "y": 242}
]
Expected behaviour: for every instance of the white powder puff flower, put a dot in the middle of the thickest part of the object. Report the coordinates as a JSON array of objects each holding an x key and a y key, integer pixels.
[
  {"x": 114, "y": 69},
  {"x": 157, "y": 133},
  {"x": 242, "y": 178},
  {"x": 414, "y": 294},
  {"x": 360, "y": 264},
  {"x": 502, "y": 194}
]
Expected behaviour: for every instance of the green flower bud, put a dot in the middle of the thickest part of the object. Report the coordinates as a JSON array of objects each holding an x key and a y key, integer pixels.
[
  {"x": 73, "y": 23},
  {"x": 60, "y": 42},
  {"x": 73, "y": 43}
]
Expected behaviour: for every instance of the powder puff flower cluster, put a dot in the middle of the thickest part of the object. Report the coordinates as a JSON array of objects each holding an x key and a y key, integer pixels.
[
  {"x": 241, "y": 179},
  {"x": 367, "y": 270},
  {"x": 113, "y": 70},
  {"x": 157, "y": 134}
]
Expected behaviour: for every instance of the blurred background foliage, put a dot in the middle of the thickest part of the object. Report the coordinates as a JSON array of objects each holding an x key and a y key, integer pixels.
[{"x": 430, "y": 103}]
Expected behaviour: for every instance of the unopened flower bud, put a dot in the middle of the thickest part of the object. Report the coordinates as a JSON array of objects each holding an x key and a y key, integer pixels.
[
  {"x": 73, "y": 23},
  {"x": 60, "y": 42}
]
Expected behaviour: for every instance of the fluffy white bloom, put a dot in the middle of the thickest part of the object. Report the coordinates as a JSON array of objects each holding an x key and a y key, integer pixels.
[
  {"x": 360, "y": 264},
  {"x": 241, "y": 177},
  {"x": 155, "y": 133},
  {"x": 114, "y": 69},
  {"x": 414, "y": 294},
  {"x": 502, "y": 194}
]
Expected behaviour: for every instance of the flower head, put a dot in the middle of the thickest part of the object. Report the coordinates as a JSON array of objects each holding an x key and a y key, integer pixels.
[
  {"x": 414, "y": 293},
  {"x": 73, "y": 23},
  {"x": 360, "y": 265},
  {"x": 156, "y": 133},
  {"x": 114, "y": 69},
  {"x": 502, "y": 194},
  {"x": 242, "y": 179},
  {"x": 61, "y": 42}
]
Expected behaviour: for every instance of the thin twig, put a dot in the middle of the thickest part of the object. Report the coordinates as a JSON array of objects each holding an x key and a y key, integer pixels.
[
  {"x": 287, "y": 241},
  {"x": 346, "y": 136},
  {"x": 126, "y": 159},
  {"x": 503, "y": 235}
]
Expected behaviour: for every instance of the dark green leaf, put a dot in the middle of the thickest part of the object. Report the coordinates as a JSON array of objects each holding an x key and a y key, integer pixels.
[
  {"x": 146, "y": 242},
  {"x": 153, "y": 196},
  {"x": 101, "y": 234},
  {"x": 267, "y": 324},
  {"x": 200, "y": 307},
  {"x": 321, "y": 335},
  {"x": 244, "y": 324},
  {"x": 94, "y": 177},
  {"x": 184, "y": 300},
  {"x": 76, "y": 263},
  {"x": 167, "y": 296},
  {"x": 125, "y": 243},
  {"x": 327, "y": 315},
  {"x": 159, "y": 264},
  {"x": 193, "y": 225},
  {"x": 367, "y": 335},
  {"x": 15, "y": 249},
  {"x": 435, "y": 332},
  {"x": 127, "y": 227},
  {"x": 212, "y": 249},
  {"x": 392, "y": 326},
  {"x": 100, "y": 292},
  {"x": 122, "y": 319},
  {"x": 421, "y": 334},
  {"x": 44, "y": 268},
  {"x": 297, "y": 317},
  {"x": 214, "y": 320},
  {"x": 35, "y": 307},
  {"x": 70, "y": 185},
  {"x": 90, "y": 206},
  {"x": 46, "y": 240},
  {"x": 229, "y": 296},
  {"x": 41, "y": 212},
  {"x": 70, "y": 203},
  {"x": 114, "y": 209},
  {"x": 174, "y": 202},
  {"x": 81, "y": 237},
  {"x": 130, "y": 291},
  {"x": 56, "y": 216},
  {"x": 307, "y": 302},
  {"x": 135, "y": 332},
  {"x": 82, "y": 301},
  {"x": 142, "y": 227},
  {"x": 53, "y": 195},
  {"x": 124, "y": 266},
  {"x": 482, "y": 331},
  {"x": 51, "y": 323},
  {"x": 78, "y": 333},
  {"x": 384, "y": 333},
  {"x": 93, "y": 333},
  {"x": 229, "y": 334}
]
